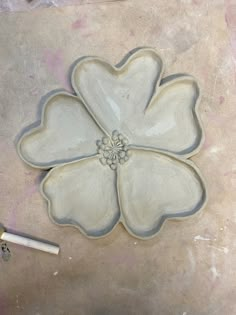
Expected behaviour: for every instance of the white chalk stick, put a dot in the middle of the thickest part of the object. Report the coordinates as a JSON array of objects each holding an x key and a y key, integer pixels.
[{"x": 21, "y": 240}]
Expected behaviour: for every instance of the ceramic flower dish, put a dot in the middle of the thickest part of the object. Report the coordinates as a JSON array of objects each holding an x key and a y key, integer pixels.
[{"x": 119, "y": 149}]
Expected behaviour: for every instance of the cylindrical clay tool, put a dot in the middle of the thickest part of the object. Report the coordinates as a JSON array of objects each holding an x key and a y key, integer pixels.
[{"x": 24, "y": 241}]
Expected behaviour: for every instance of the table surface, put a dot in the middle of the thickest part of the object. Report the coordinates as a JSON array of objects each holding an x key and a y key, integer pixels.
[{"x": 190, "y": 267}]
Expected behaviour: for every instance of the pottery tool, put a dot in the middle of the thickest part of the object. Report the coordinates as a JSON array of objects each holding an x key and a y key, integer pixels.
[{"x": 28, "y": 242}]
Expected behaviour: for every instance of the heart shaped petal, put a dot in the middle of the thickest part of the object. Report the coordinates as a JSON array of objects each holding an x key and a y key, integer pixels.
[
  {"x": 114, "y": 94},
  {"x": 171, "y": 122},
  {"x": 83, "y": 194},
  {"x": 67, "y": 133},
  {"x": 154, "y": 186}
]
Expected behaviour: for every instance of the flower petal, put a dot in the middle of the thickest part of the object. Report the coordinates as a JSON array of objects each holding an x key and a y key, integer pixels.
[
  {"x": 83, "y": 194},
  {"x": 154, "y": 186},
  {"x": 171, "y": 122},
  {"x": 114, "y": 94},
  {"x": 67, "y": 132}
]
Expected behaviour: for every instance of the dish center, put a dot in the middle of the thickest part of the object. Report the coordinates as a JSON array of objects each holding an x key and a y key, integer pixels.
[{"x": 113, "y": 150}]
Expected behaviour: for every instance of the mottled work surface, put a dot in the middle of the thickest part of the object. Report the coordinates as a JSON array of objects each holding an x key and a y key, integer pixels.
[{"x": 190, "y": 267}]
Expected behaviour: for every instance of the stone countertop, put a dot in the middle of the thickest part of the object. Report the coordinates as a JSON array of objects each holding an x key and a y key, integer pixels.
[{"x": 190, "y": 267}]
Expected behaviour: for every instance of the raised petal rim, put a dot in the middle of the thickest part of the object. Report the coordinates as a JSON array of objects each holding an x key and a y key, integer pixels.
[
  {"x": 118, "y": 69},
  {"x": 166, "y": 217},
  {"x": 43, "y": 127},
  {"x": 96, "y": 234}
]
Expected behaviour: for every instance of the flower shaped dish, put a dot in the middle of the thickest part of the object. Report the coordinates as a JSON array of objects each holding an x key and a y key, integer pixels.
[{"x": 119, "y": 149}]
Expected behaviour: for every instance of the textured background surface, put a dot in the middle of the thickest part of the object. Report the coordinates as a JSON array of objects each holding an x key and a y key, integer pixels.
[{"x": 190, "y": 268}]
